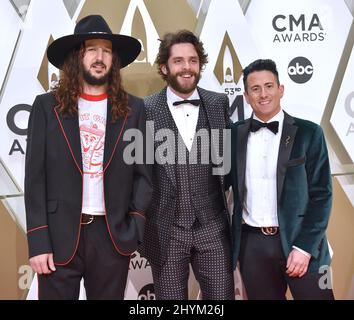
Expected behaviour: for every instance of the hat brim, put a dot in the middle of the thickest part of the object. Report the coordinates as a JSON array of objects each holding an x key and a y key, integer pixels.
[{"x": 127, "y": 48}]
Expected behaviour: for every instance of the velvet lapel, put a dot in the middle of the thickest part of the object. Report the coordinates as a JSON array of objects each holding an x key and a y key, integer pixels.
[
  {"x": 285, "y": 147},
  {"x": 241, "y": 153}
]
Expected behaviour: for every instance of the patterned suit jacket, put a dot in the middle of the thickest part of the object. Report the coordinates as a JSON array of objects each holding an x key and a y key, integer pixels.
[{"x": 161, "y": 214}]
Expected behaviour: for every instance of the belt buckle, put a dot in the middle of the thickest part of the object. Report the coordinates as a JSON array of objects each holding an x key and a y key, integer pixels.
[
  {"x": 269, "y": 231},
  {"x": 89, "y": 221}
]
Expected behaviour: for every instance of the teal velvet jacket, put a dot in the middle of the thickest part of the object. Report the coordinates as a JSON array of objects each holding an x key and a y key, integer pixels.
[{"x": 304, "y": 188}]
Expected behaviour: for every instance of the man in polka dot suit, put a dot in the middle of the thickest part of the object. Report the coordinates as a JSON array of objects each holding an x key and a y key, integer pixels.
[{"x": 187, "y": 222}]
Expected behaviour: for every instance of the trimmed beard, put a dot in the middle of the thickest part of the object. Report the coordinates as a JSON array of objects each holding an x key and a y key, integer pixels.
[{"x": 173, "y": 82}]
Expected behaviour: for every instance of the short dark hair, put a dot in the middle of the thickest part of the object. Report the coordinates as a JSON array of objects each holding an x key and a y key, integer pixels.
[
  {"x": 182, "y": 36},
  {"x": 260, "y": 65}
]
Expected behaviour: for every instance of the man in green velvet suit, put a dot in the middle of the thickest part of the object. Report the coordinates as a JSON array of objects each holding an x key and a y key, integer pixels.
[{"x": 282, "y": 189}]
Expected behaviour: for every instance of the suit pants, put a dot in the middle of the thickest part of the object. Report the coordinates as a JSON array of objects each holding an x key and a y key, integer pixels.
[
  {"x": 103, "y": 269},
  {"x": 263, "y": 271},
  {"x": 208, "y": 249}
]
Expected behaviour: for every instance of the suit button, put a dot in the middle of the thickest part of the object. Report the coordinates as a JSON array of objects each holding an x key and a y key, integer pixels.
[{"x": 172, "y": 196}]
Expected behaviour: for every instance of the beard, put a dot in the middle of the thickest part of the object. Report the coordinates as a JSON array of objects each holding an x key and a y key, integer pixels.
[
  {"x": 172, "y": 80},
  {"x": 93, "y": 80}
]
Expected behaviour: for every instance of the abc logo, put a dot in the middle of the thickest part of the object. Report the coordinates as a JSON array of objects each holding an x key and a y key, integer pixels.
[
  {"x": 300, "y": 70},
  {"x": 147, "y": 292}
]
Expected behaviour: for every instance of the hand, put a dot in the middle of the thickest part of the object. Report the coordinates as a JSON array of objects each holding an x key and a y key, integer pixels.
[
  {"x": 297, "y": 264},
  {"x": 43, "y": 263}
]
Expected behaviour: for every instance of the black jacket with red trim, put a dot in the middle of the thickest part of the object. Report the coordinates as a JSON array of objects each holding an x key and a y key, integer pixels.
[{"x": 53, "y": 181}]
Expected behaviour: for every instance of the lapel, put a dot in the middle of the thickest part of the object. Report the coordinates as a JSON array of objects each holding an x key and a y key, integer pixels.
[
  {"x": 163, "y": 120},
  {"x": 285, "y": 147},
  {"x": 241, "y": 153},
  {"x": 113, "y": 135},
  {"x": 210, "y": 103},
  {"x": 215, "y": 116},
  {"x": 70, "y": 129}
]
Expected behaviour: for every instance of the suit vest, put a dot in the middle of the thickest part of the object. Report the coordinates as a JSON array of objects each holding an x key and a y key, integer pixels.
[{"x": 199, "y": 197}]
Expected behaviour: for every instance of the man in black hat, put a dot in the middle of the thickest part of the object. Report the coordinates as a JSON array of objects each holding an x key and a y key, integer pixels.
[{"x": 85, "y": 204}]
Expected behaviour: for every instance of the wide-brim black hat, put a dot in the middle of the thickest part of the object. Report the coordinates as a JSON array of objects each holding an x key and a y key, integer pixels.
[{"x": 93, "y": 27}]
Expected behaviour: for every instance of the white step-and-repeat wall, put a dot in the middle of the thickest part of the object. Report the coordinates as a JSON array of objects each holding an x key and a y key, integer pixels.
[{"x": 306, "y": 38}]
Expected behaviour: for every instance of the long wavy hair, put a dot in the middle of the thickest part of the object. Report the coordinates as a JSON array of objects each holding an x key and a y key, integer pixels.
[{"x": 67, "y": 91}]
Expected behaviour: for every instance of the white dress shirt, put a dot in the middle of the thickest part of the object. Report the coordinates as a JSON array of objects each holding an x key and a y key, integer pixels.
[
  {"x": 260, "y": 204},
  {"x": 185, "y": 116}
]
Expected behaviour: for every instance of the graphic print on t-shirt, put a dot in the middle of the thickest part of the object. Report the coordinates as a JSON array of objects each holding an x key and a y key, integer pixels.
[
  {"x": 92, "y": 123},
  {"x": 92, "y": 143}
]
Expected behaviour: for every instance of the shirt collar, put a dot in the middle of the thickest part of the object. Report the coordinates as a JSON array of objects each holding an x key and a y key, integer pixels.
[
  {"x": 278, "y": 117},
  {"x": 172, "y": 97}
]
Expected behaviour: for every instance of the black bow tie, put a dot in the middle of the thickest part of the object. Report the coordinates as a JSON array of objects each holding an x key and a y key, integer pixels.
[
  {"x": 256, "y": 125},
  {"x": 194, "y": 102}
]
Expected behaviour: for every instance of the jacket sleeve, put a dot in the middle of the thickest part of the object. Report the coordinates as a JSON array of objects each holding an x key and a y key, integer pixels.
[
  {"x": 320, "y": 195},
  {"x": 35, "y": 182},
  {"x": 142, "y": 184}
]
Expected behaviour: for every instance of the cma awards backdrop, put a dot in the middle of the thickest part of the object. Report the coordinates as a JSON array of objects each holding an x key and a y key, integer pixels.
[{"x": 310, "y": 40}]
